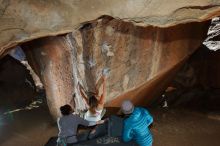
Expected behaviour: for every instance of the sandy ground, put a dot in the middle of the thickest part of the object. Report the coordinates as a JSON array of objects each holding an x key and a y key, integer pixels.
[
  {"x": 27, "y": 128},
  {"x": 172, "y": 127},
  {"x": 186, "y": 128}
]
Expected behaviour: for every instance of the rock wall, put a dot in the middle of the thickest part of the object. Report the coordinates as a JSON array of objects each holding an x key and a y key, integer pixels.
[
  {"x": 25, "y": 20},
  {"x": 51, "y": 58},
  {"x": 141, "y": 60}
]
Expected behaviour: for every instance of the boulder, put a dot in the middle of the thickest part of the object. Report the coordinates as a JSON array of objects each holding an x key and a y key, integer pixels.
[{"x": 141, "y": 60}]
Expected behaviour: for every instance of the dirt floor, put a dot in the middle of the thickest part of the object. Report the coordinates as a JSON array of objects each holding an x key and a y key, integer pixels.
[
  {"x": 186, "y": 128},
  {"x": 172, "y": 127}
]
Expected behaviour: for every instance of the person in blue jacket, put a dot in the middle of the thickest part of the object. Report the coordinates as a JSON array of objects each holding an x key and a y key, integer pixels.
[{"x": 136, "y": 124}]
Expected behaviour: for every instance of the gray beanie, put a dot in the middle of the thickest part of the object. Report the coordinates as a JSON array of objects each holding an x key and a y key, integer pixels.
[{"x": 127, "y": 107}]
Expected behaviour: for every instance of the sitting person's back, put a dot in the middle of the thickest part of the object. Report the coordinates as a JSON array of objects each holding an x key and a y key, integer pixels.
[
  {"x": 68, "y": 127},
  {"x": 136, "y": 125},
  {"x": 68, "y": 124}
]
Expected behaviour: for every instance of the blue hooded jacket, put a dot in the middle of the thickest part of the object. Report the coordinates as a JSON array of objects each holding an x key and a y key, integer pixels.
[{"x": 136, "y": 127}]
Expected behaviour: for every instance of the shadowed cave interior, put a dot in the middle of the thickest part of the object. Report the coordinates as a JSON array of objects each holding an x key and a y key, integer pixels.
[{"x": 167, "y": 70}]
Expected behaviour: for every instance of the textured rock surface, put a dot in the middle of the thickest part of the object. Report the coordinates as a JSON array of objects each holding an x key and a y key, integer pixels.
[
  {"x": 51, "y": 58},
  {"x": 212, "y": 41},
  {"x": 24, "y": 20},
  {"x": 141, "y": 60}
]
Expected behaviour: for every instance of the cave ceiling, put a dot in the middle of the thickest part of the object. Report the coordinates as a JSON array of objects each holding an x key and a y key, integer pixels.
[{"x": 25, "y": 20}]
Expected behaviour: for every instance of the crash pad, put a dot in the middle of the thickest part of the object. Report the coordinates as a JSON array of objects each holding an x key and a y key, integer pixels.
[{"x": 101, "y": 141}]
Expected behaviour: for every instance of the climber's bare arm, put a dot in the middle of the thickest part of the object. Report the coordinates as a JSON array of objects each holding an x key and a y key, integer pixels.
[
  {"x": 98, "y": 84},
  {"x": 82, "y": 92},
  {"x": 103, "y": 95}
]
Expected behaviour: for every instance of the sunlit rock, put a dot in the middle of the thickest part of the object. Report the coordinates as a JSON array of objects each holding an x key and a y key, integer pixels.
[{"x": 212, "y": 41}]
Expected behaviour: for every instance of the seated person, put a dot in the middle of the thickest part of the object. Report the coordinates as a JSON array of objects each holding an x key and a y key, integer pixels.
[
  {"x": 68, "y": 124},
  {"x": 136, "y": 124},
  {"x": 95, "y": 103}
]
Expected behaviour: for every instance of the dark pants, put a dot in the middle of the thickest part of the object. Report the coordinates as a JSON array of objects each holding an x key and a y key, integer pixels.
[
  {"x": 113, "y": 129},
  {"x": 81, "y": 137}
]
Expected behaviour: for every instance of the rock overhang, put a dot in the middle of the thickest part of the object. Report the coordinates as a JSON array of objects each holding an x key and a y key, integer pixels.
[{"x": 26, "y": 20}]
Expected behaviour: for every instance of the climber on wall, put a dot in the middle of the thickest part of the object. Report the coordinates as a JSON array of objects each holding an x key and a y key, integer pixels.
[
  {"x": 95, "y": 102},
  {"x": 136, "y": 123}
]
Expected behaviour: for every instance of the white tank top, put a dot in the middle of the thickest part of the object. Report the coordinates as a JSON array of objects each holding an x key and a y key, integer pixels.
[{"x": 93, "y": 117}]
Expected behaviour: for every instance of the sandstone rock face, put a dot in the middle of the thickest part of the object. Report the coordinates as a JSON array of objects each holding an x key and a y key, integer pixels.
[
  {"x": 142, "y": 49},
  {"x": 51, "y": 58},
  {"x": 141, "y": 60},
  {"x": 25, "y": 20}
]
